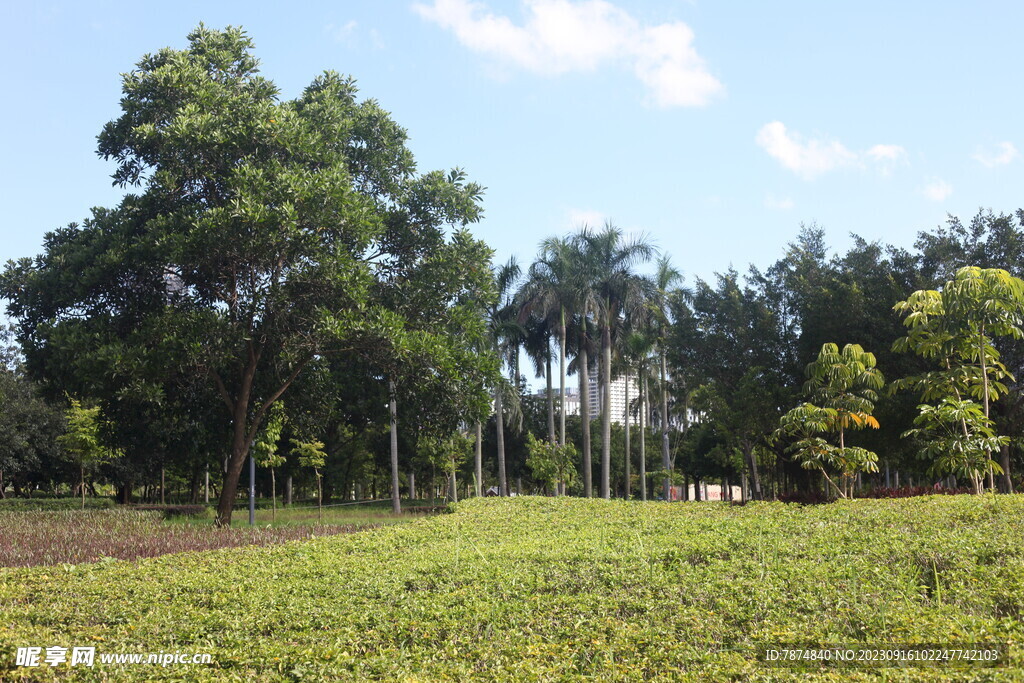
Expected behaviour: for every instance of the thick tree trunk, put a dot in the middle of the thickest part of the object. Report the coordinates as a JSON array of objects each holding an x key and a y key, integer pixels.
[
  {"x": 239, "y": 451},
  {"x": 606, "y": 409},
  {"x": 500, "y": 423},
  {"x": 478, "y": 461},
  {"x": 1005, "y": 483},
  {"x": 396, "y": 502},
  {"x": 582, "y": 370}
]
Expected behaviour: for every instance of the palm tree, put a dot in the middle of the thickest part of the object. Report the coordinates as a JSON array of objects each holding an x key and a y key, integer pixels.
[
  {"x": 612, "y": 283},
  {"x": 537, "y": 344},
  {"x": 554, "y": 293},
  {"x": 665, "y": 276},
  {"x": 636, "y": 348},
  {"x": 505, "y": 332}
]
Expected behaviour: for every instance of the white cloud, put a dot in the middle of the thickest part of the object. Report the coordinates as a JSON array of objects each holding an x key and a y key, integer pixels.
[
  {"x": 937, "y": 190},
  {"x": 560, "y": 37},
  {"x": 578, "y": 218},
  {"x": 886, "y": 157},
  {"x": 887, "y": 153},
  {"x": 809, "y": 158},
  {"x": 778, "y": 203},
  {"x": 1003, "y": 154},
  {"x": 344, "y": 33}
]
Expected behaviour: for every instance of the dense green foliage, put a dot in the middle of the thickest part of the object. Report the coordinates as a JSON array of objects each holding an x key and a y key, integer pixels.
[
  {"x": 550, "y": 589},
  {"x": 264, "y": 238}
]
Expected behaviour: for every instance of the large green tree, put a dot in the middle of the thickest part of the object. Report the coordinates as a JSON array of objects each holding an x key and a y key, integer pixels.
[{"x": 253, "y": 235}]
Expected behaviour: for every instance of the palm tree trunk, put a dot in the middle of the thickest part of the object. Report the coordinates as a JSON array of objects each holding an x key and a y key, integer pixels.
[
  {"x": 551, "y": 397},
  {"x": 628, "y": 492},
  {"x": 606, "y": 409},
  {"x": 588, "y": 484},
  {"x": 500, "y": 422},
  {"x": 396, "y": 503},
  {"x": 643, "y": 440},
  {"x": 666, "y": 461},
  {"x": 478, "y": 458},
  {"x": 561, "y": 385}
]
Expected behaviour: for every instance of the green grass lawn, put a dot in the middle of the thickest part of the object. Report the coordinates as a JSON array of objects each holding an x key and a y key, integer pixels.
[{"x": 549, "y": 589}]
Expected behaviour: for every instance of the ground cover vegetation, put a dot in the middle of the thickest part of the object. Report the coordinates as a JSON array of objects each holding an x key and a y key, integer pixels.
[
  {"x": 541, "y": 588},
  {"x": 73, "y": 537},
  {"x": 280, "y": 274}
]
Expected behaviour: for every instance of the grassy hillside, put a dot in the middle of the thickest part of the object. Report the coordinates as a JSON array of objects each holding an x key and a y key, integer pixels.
[{"x": 547, "y": 589}]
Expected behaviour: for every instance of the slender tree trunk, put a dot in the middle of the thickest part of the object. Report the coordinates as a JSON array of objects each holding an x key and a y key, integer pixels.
[
  {"x": 551, "y": 398},
  {"x": 81, "y": 472},
  {"x": 582, "y": 370},
  {"x": 500, "y": 423},
  {"x": 453, "y": 486},
  {"x": 162, "y": 500},
  {"x": 412, "y": 485},
  {"x": 561, "y": 370},
  {"x": 755, "y": 476},
  {"x": 666, "y": 461},
  {"x": 273, "y": 495},
  {"x": 643, "y": 440},
  {"x": 606, "y": 408},
  {"x": 478, "y": 458},
  {"x": 396, "y": 501},
  {"x": 319, "y": 497},
  {"x": 628, "y": 492},
  {"x": 288, "y": 491}
]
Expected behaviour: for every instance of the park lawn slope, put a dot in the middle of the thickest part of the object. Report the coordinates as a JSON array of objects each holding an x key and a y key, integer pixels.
[{"x": 550, "y": 589}]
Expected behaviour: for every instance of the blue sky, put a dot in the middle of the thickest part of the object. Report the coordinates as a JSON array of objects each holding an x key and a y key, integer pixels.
[{"x": 717, "y": 128}]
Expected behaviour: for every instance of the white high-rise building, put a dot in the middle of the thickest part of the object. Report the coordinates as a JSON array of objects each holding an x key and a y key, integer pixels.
[
  {"x": 617, "y": 389},
  {"x": 572, "y": 399}
]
